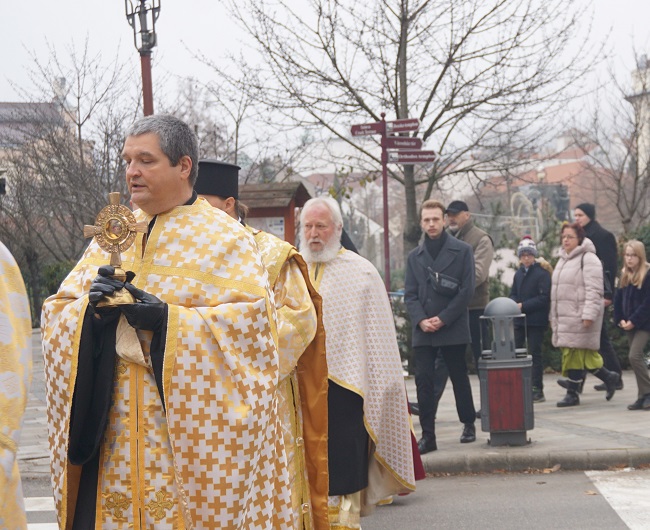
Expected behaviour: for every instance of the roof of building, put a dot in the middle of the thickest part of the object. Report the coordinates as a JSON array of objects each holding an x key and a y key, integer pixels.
[
  {"x": 273, "y": 194},
  {"x": 21, "y": 121}
]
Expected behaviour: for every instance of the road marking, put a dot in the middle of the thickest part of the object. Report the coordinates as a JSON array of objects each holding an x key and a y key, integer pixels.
[
  {"x": 628, "y": 493},
  {"x": 39, "y": 504}
]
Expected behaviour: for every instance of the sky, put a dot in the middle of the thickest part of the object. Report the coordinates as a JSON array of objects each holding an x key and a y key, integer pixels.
[{"x": 202, "y": 26}]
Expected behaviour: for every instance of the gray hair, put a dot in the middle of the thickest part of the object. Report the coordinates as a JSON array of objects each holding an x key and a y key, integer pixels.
[
  {"x": 175, "y": 136},
  {"x": 331, "y": 205}
]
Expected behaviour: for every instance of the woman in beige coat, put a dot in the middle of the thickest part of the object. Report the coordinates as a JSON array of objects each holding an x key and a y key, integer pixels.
[{"x": 576, "y": 314}]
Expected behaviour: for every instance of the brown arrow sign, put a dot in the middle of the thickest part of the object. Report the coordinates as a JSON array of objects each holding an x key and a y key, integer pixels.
[
  {"x": 403, "y": 125},
  {"x": 366, "y": 129},
  {"x": 411, "y": 157},
  {"x": 399, "y": 142}
]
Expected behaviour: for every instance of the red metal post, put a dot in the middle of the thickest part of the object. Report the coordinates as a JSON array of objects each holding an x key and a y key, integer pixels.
[
  {"x": 384, "y": 176},
  {"x": 147, "y": 90}
]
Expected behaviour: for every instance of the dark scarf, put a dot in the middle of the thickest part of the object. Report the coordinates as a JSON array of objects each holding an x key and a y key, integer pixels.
[{"x": 433, "y": 246}]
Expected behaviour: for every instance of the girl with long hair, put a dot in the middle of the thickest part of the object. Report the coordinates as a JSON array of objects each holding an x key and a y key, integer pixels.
[{"x": 632, "y": 314}]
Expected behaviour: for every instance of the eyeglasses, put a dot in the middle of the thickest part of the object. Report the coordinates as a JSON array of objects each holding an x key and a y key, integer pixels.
[
  {"x": 568, "y": 237},
  {"x": 631, "y": 255}
]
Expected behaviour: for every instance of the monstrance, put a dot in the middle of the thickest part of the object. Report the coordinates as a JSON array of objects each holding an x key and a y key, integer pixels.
[{"x": 114, "y": 230}]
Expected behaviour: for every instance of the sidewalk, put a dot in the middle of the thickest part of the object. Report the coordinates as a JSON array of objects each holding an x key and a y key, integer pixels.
[{"x": 597, "y": 434}]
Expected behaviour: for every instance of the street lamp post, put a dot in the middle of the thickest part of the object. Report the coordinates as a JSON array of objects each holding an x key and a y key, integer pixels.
[{"x": 144, "y": 16}]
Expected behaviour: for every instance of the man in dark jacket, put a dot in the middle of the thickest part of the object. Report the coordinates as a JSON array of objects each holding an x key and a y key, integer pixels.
[
  {"x": 607, "y": 252},
  {"x": 531, "y": 289},
  {"x": 439, "y": 284}
]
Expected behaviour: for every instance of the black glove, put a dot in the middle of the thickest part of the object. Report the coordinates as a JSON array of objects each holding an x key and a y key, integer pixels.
[
  {"x": 103, "y": 285},
  {"x": 148, "y": 313}
]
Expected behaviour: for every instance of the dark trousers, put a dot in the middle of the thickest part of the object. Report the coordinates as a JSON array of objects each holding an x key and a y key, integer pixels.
[
  {"x": 478, "y": 330},
  {"x": 535, "y": 338},
  {"x": 606, "y": 350},
  {"x": 425, "y": 372}
]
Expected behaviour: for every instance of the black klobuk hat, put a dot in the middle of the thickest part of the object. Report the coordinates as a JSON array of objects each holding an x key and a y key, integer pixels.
[{"x": 217, "y": 178}]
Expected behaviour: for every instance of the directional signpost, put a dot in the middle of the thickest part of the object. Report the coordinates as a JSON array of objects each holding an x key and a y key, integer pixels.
[
  {"x": 411, "y": 157},
  {"x": 403, "y": 150}
]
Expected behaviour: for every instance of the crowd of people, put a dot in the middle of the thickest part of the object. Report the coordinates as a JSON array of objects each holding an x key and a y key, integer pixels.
[
  {"x": 446, "y": 292},
  {"x": 228, "y": 379}
]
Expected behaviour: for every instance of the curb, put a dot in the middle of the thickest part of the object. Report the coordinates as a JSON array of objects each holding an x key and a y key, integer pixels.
[{"x": 596, "y": 459}]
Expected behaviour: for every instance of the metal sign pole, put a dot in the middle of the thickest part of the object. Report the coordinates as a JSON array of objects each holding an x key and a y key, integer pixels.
[{"x": 384, "y": 176}]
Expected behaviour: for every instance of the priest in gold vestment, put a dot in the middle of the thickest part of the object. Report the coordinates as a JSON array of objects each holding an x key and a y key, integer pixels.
[
  {"x": 301, "y": 347},
  {"x": 163, "y": 413},
  {"x": 370, "y": 451},
  {"x": 15, "y": 377}
]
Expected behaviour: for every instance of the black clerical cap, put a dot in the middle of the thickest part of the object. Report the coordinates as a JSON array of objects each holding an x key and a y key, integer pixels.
[{"x": 217, "y": 178}]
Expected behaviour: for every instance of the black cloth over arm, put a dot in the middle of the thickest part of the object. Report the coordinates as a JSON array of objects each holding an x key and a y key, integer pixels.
[
  {"x": 157, "y": 355},
  {"x": 91, "y": 400}
]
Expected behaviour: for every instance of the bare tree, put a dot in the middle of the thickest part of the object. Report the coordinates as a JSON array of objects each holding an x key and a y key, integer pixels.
[
  {"x": 61, "y": 151},
  {"x": 478, "y": 74},
  {"x": 616, "y": 141}
]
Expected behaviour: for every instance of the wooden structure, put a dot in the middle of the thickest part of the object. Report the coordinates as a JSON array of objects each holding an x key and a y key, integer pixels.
[{"x": 272, "y": 206}]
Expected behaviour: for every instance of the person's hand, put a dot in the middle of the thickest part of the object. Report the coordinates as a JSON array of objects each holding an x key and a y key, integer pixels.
[
  {"x": 520, "y": 305},
  {"x": 103, "y": 285},
  {"x": 607, "y": 302},
  {"x": 147, "y": 313},
  {"x": 587, "y": 323},
  {"x": 425, "y": 325},
  {"x": 436, "y": 323},
  {"x": 626, "y": 325}
]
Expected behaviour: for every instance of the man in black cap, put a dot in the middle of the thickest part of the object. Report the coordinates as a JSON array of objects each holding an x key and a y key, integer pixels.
[
  {"x": 460, "y": 224},
  {"x": 303, "y": 365},
  {"x": 607, "y": 252}
]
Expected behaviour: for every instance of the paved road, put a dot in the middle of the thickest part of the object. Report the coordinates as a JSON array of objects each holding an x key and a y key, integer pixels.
[{"x": 612, "y": 500}]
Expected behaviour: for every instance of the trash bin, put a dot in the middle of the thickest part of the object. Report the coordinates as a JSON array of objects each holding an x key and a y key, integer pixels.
[{"x": 505, "y": 375}]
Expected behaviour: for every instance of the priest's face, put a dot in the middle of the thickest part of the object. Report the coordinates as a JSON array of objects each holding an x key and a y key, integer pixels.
[
  {"x": 318, "y": 227},
  {"x": 155, "y": 185},
  {"x": 320, "y": 241}
]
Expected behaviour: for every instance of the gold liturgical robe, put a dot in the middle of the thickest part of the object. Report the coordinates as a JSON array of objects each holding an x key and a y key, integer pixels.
[
  {"x": 15, "y": 377},
  {"x": 303, "y": 379},
  {"x": 362, "y": 356},
  {"x": 215, "y": 458}
]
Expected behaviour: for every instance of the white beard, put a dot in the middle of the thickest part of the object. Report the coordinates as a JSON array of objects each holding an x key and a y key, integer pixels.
[{"x": 329, "y": 252}]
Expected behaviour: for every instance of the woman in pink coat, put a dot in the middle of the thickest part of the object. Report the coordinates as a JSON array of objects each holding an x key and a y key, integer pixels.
[{"x": 576, "y": 314}]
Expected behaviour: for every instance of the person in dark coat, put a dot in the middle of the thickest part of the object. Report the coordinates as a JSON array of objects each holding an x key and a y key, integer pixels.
[
  {"x": 531, "y": 289},
  {"x": 632, "y": 314},
  {"x": 439, "y": 285},
  {"x": 607, "y": 252}
]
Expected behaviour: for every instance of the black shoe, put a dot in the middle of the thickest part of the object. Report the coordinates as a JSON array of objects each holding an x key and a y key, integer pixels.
[
  {"x": 478, "y": 414},
  {"x": 646, "y": 402},
  {"x": 427, "y": 445},
  {"x": 565, "y": 383},
  {"x": 538, "y": 396},
  {"x": 637, "y": 405},
  {"x": 612, "y": 382},
  {"x": 570, "y": 400},
  {"x": 415, "y": 408},
  {"x": 469, "y": 434},
  {"x": 602, "y": 387}
]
